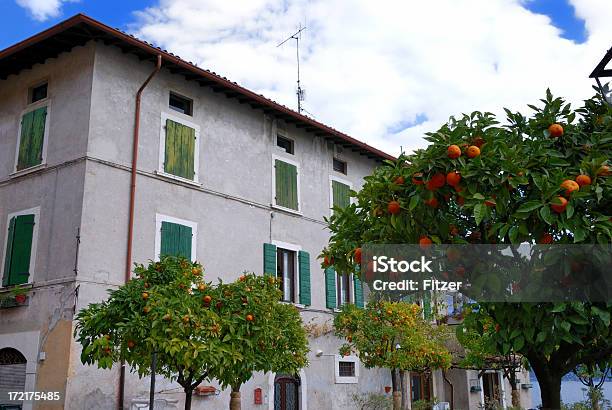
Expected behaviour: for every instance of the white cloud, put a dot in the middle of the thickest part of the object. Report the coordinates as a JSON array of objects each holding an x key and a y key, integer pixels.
[
  {"x": 42, "y": 10},
  {"x": 369, "y": 67}
]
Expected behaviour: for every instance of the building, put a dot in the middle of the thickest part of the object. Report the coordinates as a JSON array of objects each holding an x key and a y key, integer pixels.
[{"x": 224, "y": 175}]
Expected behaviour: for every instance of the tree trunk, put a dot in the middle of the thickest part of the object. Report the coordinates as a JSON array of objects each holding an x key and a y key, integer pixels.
[
  {"x": 516, "y": 393},
  {"x": 188, "y": 394},
  {"x": 235, "y": 398},
  {"x": 403, "y": 389},
  {"x": 550, "y": 386},
  {"x": 397, "y": 394}
]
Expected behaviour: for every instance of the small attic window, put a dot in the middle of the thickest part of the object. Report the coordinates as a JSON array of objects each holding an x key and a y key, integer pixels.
[
  {"x": 284, "y": 143},
  {"x": 339, "y": 166},
  {"x": 181, "y": 104},
  {"x": 37, "y": 93}
]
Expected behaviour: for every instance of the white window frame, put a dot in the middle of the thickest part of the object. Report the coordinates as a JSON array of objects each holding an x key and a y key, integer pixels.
[
  {"x": 159, "y": 218},
  {"x": 285, "y": 136},
  {"x": 296, "y": 285},
  {"x": 187, "y": 121},
  {"x": 331, "y": 190},
  {"x": 299, "y": 193},
  {"x": 351, "y": 291},
  {"x": 341, "y": 379},
  {"x": 45, "y": 102},
  {"x": 32, "y": 211}
]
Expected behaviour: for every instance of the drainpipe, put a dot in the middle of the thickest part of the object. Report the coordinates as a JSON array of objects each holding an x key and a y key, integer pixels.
[{"x": 128, "y": 258}]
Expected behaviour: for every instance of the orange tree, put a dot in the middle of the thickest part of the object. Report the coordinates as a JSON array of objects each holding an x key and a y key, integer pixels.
[
  {"x": 391, "y": 335},
  {"x": 537, "y": 179},
  {"x": 199, "y": 331},
  {"x": 258, "y": 332}
]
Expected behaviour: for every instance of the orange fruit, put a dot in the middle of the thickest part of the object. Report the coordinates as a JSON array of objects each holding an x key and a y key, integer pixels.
[
  {"x": 186, "y": 319},
  {"x": 555, "y": 130},
  {"x": 433, "y": 202},
  {"x": 453, "y": 178},
  {"x": 146, "y": 309},
  {"x": 249, "y": 318},
  {"x": 424, "y": 242},
  {"x": 131, "y": 344},
  {"x": 603, "y": 171},
  {"x": 242, "y": 278},
  {"x": 570, "y": 186},
  {"x": 393, "y": 207},
  {"x": 357, "y": 256},
  {"x": 478, "y": 141},
  {"x": 453, "y": 151},
  {"x": 167, "y": 317},
  {"x": 546, "y": 239},
  {"x": 201, "y": 286},
  {"x": 145, "y": 295},
  {"x": 437, "y": 181},
  {"x": 207, "y": 299},
  {"x": 583, "y": 180},
  {"x": 473, "y": 151},
  {"x": 328, "y": 261},
  {"x": 417, "y": 178},
  {"x": 559, "y": 205},
  {"x": 399, "y": 180}
]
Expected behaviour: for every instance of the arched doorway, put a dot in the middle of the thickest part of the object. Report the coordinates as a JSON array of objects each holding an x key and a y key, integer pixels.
[
  {"x": 286, "y": 392},
  {"x": 12, "y": 376}
]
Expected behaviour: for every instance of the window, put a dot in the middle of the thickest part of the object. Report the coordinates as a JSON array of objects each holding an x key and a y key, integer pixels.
[
  {"x": 179, "y": 155},
  {"x": 37, "y": 93},
  {"x": 20, "y": 248},
  {"x": 339, "y": 166},
  {"x": 31, "y": 139},
  {"x": 175, "y": 237},
  {"x": 421, "y": 386},
  {"x": 285, "y": 272},
  {"x": 343, "y": 289},
  {"x": 181, "y": 104},
  {"x": 285, "y": 143},
  {"x": 280, "y": 261},
  {"x": 286, "y": 185},
  {"x": 346, "y": 369},
  {"x": 341, "y": 194},
  {"x": 12, "y": 376}
]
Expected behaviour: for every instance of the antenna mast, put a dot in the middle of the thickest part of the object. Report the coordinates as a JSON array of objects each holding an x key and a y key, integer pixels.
[{"x": 296, "y": 36}]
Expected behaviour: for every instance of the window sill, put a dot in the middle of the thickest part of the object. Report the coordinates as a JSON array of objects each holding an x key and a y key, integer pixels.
[
  {"x": 30, "y": 170},
  {"x": 10, "y": 288},
  {"x": 297, "y": 305},
  {"x": 165, "y": 175},
  {"x": 288, "y": 210},
  {"x": 347, "y": 380}
]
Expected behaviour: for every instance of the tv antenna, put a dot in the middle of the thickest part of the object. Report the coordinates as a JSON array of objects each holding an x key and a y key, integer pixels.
[{"x": 296, "y": 36}]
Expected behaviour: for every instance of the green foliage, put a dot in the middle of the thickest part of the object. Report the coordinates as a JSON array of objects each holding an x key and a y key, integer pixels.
[
  {"x": 199, "y": 330},
  {"x": 372, "y": 401},
  {"x": 507, "y": 194},
  {"x": 375, "y": 332}
]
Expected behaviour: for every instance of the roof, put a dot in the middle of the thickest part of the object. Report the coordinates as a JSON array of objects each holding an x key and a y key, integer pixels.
[
  {"x": 80, "y": 29},
  {"x": 600, "y": 70}
]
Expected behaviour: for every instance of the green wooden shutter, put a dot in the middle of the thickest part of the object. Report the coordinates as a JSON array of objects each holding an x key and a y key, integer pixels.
[
  {"x": 427, "y": 306},
  {"x": 269, "y": 259},
  {"x": 304, "y": 263},
  {"x": 330, "y": 288},
  {"x": 32, "y": 138},
  {"x": 176, "y": 240},
  {"x": 286, "y": 184},
  {"x": 341, "y": 194},
  {"x": 19, "y": 250},
  {"x": 9, "y": 252},
  {"x": 180, "y": 150},
  {"x": 358, "y": 287}
]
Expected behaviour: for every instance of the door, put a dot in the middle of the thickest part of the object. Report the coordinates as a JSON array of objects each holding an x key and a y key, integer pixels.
[
  {"x": 420, "y": 386},
  {"x": 491, "y": 390},
  {"x": 286, "y": 393},
  {"x": 12, "y": 377}
]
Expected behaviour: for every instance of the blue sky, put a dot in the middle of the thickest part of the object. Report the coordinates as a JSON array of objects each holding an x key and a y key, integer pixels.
[{"x": 17, "y": 23}]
